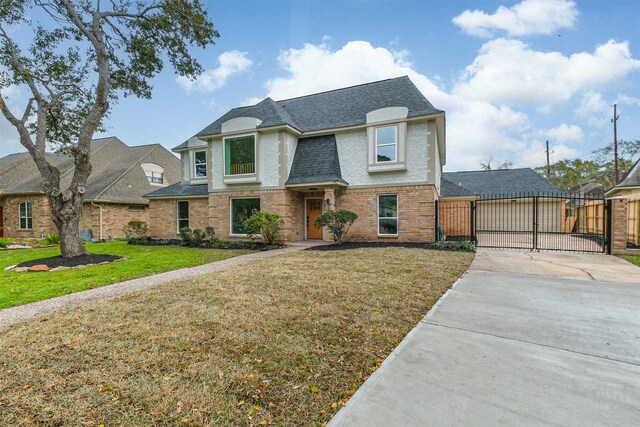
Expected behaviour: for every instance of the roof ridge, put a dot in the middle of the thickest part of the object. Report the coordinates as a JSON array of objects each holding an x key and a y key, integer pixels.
[
  {"x": 489, "y": 170},
  {"x": 343, "y": 88}
]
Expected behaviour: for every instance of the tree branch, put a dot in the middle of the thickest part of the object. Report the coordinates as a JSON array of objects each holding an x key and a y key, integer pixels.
[{"x": 15, "y": 62}]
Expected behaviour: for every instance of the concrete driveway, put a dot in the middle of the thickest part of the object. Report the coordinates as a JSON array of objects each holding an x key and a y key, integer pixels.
[{"x": 552, "y": 346}]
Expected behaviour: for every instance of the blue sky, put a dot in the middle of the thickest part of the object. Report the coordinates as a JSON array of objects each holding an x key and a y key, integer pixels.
[{"x": 509, "y": 74}]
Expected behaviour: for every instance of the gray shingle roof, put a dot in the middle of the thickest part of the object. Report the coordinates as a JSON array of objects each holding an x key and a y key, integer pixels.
[
  {"x": 315, "y": 161},
  {"x": 501, "y": 182},
  {"x": 114, "y": 177},
  {"x": 632, "y": 177},
  {"x": 333, "y": 109},
  {"x": 449, "y": 189},
  {"x": 180, "y": 190}
]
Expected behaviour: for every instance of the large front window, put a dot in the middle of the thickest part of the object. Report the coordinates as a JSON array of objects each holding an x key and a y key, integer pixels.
[
  {"x": 387, "y": 144},
  {"x": 388, "y": 214},
  {"x": 240, "y": 155},
  {"x": 242, "y": 209},
  {"x": 200, "y": 164},
  {"x": 26, "y": 220},
  {"x": 183, "y": 214}
]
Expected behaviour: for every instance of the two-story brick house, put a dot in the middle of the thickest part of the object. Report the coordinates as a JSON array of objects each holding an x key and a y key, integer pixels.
[{"x": 376, "y": 149}]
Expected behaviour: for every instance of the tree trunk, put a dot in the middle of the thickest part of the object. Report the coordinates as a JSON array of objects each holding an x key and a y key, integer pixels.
[{"x": 70, "y": 243}]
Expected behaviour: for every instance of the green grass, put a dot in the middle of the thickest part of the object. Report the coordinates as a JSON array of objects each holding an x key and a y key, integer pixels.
[
  {"x": 21, "y": 288},
  {"x": 634, "y": 259}
]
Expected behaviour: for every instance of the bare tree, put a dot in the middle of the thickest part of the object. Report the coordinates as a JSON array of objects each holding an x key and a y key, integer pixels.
[{"x": 80, "y": 60}]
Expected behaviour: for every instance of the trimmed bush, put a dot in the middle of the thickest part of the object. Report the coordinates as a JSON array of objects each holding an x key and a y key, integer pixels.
[
  {"x": 338, "y": 222},
  {"x": 266, "y": 224},
  {"x": 52, "y": 239},
  {"x": 136, "y": 231},
  {"x": 4, "y": 242}
]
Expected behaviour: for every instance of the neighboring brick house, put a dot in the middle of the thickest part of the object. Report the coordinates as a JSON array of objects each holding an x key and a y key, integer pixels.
[
  {"x": 376, "y": 149},
  {"x": 121, "y": 175}
]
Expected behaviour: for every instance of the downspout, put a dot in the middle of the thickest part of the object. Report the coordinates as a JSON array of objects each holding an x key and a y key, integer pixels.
[{"x": 99, "y": 207}]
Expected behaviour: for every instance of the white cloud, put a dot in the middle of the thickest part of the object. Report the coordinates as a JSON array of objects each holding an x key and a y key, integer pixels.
[
  {"x": 535, "y": 154},
  {"x": 509, "y": 71},
  {"x": 565, "y": 133},
  {"x": 525, "y": 18},
  {"x": 594, "y": 110},
  {"x": 229, "y": 63}
]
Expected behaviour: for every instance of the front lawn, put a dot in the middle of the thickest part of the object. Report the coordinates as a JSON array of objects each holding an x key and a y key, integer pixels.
[
  {"x": 282, "y": 341},
  {"x": 21, "y": 288},
  {"x": 634, "y": 259}
]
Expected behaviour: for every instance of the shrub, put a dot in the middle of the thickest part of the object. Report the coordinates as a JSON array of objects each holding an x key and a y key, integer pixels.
[
  {"x": 136, "y": 231},
  {"x": 267, "y": 224},
  {"x": 4, "y": 242},
  {"x": 186, "y": 236},
  {"x": 338, "y": 222},
  {"x": 210, "y": 232},
  {"x": 52, "y": 239},
  {"x": 197, "y": 237}
]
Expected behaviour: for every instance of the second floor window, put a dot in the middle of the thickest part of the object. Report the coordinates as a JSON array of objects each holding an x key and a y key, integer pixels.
[
  {"x": 200, "y": 164},
  {"x": 387, "y": 144},
  {"x": 240, "y": 155},
  {"x": 155, "y": 177},
  {"x": 26, "y": 220}
]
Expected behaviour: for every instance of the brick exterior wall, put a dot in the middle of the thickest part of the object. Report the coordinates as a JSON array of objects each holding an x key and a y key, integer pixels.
[
  {"x": 416, "y": 212},
  {"x": 115, "y": 217},
  {"x": 455, "y": 217},
  {"x": 163, "y": 216},
  {"x": 618, "y": 226},
  {"x": 39, "y": 214}
]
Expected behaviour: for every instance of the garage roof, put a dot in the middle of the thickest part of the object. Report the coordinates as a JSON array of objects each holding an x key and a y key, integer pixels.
[{"x": 501, "y": 182}]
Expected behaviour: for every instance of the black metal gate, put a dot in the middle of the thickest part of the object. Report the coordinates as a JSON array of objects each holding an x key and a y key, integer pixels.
[{"x": 533, "y": 222}]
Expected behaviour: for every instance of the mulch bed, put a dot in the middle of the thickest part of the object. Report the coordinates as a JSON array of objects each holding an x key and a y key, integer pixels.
[
  {"x": 359, "y": 245},
  {"x": 58, "y": 261}
]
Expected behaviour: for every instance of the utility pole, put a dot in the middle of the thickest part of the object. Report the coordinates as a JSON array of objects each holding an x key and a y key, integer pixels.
[
  {"x": 548, "y": 166},
  {"x": 615, "y": 141}
]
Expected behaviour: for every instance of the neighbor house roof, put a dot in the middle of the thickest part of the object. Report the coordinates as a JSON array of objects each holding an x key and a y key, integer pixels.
[
  {"x": 115, "y": 175},
  {"x": 501, "y": 182},
  {"x": 449, "y": 189},
  {"x": 316, "y": 161},
  {"x": 632, "y": 177},
  {"x": 180, "y": 190},
  {"x": 330, "y": 110}
]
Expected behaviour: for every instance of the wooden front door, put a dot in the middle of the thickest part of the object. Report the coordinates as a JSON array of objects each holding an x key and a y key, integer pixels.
[
  {"x": 1, "y": 222},
  {"x": 314, "y": 209}
]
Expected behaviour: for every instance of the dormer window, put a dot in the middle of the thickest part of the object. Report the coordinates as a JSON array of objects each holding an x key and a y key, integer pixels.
[
  {"x": 240, "y": 155},
  {"x": 200, "y": 164},
  {"x": 386, "y": 144},
  {"x": 154, "y": 173}
]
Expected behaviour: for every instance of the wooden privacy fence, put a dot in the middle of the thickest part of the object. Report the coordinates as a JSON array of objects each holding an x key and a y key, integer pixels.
[{"x": 633, "y": 223}]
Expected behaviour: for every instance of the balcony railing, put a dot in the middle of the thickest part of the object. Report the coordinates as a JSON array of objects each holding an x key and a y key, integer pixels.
[{"x": 243, "y": 168}]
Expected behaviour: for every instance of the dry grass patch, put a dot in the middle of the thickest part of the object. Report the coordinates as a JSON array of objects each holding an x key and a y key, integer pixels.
[{"x": 282, "y": 341}]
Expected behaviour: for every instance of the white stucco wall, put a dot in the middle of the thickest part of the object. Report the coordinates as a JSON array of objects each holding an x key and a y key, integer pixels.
[
  {"x": 268, "y": 163},
  {"x": 352, "y": 149}
]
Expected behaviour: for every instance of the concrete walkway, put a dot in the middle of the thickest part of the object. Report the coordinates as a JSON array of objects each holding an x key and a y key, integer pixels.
[
  {"x": 9, "y": 316},
  {"x": 559, "y": 345}
]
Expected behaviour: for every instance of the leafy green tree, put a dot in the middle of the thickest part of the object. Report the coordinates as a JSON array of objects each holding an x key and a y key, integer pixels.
[
  {"x": 338, "y": 222},
  {"x": 81, "y": 59},
  {"x": 266, "y": 224}
]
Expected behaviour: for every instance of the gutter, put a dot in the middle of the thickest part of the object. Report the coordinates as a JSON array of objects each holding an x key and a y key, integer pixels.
[{"x": 99, "y": 207}]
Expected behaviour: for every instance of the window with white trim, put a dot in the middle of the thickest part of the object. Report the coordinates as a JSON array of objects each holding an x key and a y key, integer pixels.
[
  {"x": 242, "y": 209},
  {"x": 388, "y": 214},
  {"x": 183, "y": 214},
  {"x": 240, "y": 155},
  {"x": 155, "y": 177},
  {"x": 25, "y": 216},
  {"x": 200, "y": 164},
  {"x": 386, "y": 143}
]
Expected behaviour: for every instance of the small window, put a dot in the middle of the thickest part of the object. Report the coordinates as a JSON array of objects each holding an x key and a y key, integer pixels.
[
  {"x": 242, "y": 209},
  {"x": 240, "y": 155},
  {"x": 200, "y": 164},
  {"x": 183, "y": 214},
  {"x": 26, "y": 220},
  {"x": 387, "y": 144},
  {"x": 137, "y": 208},
  {"x": 388, "y": 214},
  {"x": 155, "y": 177}
]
